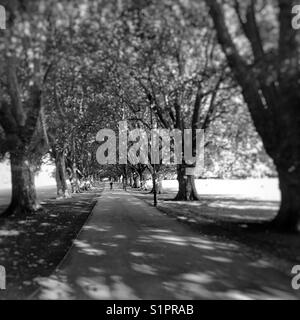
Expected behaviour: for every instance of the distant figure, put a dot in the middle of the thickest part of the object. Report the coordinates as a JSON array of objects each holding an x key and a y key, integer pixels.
[
  {"x": 124, "y": 184},
  {"x": 111, "y": 185}
]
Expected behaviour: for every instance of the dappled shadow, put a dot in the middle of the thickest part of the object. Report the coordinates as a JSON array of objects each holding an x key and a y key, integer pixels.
[
  {"x": 239, "y": 218},
  {"x": 230, "y": 208},
  {"x": 236, "y": 208},
  {"x": 129, "y": 250},
  {"x": 32, "y": 245}
]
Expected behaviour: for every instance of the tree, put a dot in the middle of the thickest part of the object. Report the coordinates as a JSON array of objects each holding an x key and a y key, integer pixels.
[
  {"x": 78, "y": 103},
  {"x": 269, "y": 82},
  {"x": 163, "y": 44},
  {"x": 21, "y": 104}
]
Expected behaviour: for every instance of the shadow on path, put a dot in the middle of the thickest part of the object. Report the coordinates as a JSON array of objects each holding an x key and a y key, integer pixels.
[{"x": 129, "y": 250}]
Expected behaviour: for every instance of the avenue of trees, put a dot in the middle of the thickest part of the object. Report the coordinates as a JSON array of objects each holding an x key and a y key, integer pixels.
[{"x": 71, "y": 68}]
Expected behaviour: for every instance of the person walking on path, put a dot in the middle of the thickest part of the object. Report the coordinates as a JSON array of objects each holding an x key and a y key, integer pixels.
[{"x": 111, "y": 185}]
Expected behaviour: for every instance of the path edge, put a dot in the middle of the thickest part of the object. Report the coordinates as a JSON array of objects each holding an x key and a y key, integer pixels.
[{"x": 32, "y": 295}]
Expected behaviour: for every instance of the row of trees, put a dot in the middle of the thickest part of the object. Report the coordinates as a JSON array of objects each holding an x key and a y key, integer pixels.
[{"x": 69, "y": 70}]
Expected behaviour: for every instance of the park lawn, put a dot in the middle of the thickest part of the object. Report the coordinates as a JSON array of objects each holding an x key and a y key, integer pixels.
[
  {"x": 235, "y": 218},
  {"x": 33, "y": 247}
]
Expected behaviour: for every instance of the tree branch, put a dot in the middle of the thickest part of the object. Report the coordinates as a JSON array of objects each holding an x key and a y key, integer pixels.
[
  {"x": 260, "y": 112},
  {"x": 14, "y": 91}
]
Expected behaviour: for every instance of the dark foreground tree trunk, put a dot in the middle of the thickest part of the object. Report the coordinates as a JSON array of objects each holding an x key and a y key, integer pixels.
[
  {"x": 288, "y": 216},
  {"x": 23, "y": 200},
  {"x": 273, "y": 105},
  {"x": 186, "y": 184}
]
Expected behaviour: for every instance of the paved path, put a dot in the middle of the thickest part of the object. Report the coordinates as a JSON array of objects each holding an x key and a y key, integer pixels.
[{"x": 129, "y": 250}]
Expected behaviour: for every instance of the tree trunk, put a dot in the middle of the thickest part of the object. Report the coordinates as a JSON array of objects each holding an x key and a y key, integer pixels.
[
  {"x": 130, "y": 180},
  {"x": 273, "y": 105},
  {"x": 74, "y": 180},
  {"x": 186, "y": 184},
  {"x": 125, "y": 177},
  {"x": 124, "y": 182},
  {"x": 154, "y": 187},
  {"x": 137, "y": 181},
  {"x": 24, "y": 199},
  {"x": 181, "y": 195},
  {"x": 191, "y": 189},
  {"x": 61, "y": 182},
  {"x": 142, "y": 180},
  {"x": 288, "y": 216}
]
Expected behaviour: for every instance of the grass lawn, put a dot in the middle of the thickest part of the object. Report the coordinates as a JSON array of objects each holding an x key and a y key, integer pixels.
[
  {"x": 33, "y": 247},
  {"x": 234, "y": 213}
]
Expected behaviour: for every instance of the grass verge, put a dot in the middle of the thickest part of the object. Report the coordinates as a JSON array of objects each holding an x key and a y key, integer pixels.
[{"x": 33, "y": 247}]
